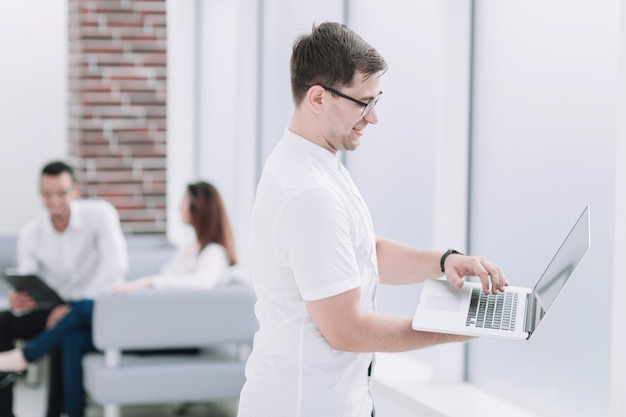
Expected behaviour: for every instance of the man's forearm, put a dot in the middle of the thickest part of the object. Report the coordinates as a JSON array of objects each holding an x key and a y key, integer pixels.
[
  {"x": 409, "y": 339},
  {"x": 399, "y": 263},
  {"x": 384, "y": 333}
]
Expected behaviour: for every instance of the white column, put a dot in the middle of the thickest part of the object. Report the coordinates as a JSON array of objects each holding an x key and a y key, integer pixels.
[
  {"x": 618, "y": 345},
  {"x": 33, "y": 102},
  {"x": 181, "y": 41},
  {"x": 450, "y": 202}
]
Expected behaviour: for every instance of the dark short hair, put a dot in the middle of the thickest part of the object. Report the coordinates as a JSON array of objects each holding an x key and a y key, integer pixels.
[
  {"x": 209, "y": 218},
  {"x": 55, "y": 168},
  {"x": 330, "y": 56}
]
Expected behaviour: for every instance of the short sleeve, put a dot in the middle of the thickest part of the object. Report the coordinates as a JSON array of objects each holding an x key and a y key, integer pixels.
[{"x": 312, "y": 235}]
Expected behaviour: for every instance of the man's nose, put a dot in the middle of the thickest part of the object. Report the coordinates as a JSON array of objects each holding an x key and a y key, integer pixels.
[{"x": 372, "y": 116}]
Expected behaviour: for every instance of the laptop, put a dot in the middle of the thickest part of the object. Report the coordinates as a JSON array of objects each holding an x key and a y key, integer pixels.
[
  {"x": 44, "y": 296},
  {"x": 512, "y": 314}
]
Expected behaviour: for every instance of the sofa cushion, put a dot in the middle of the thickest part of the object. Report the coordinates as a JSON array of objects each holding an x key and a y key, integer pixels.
[
  {"x": 163, "y": 378},
  {"x": 221, "y": 322}
]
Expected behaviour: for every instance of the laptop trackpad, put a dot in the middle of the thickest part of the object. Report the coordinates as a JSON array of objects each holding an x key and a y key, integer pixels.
[{"x": 443, "y": 303}]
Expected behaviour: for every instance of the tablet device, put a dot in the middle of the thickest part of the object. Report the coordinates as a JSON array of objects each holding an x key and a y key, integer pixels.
[{"x": 44, "y": 296}]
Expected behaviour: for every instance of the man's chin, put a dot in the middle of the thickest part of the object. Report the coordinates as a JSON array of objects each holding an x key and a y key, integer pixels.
[
  {"x": 59, "y": 217},
  {"x": 353, "y": 145}
]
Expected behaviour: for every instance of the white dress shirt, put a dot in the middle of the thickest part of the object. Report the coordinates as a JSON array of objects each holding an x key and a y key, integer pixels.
[
  {"x": 311, "y": 238},
  {"x": 83, "y": 261},
  {"x": 190, "y": 269}
]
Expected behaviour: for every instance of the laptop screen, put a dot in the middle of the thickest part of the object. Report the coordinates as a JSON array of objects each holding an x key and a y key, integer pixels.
[{"x": 562, "y": 265}]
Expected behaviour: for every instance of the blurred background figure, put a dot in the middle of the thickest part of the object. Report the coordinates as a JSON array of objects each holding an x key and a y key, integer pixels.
[{"x": 202, "y": 263}]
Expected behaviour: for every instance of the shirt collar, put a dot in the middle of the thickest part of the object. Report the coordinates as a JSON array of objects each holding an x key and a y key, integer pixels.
[
  {"x": 75, "y": 219},
  {"x": 312, "y": 148}
]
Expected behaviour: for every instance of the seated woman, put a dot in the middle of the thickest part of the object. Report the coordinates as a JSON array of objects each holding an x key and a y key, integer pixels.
[{"x": 203, "y": 264}]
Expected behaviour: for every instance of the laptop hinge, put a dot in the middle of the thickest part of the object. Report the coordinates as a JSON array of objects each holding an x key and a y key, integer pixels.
[{"x": 529, "y": 320}]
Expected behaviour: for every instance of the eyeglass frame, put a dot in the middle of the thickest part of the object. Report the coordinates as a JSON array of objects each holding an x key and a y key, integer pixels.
[{"x": 367, "y": 106}]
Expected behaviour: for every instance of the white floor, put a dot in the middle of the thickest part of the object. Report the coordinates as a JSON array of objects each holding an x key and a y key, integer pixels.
[
  {"x": 31, "y": 391},
  {"x": 30, "y": 400}
]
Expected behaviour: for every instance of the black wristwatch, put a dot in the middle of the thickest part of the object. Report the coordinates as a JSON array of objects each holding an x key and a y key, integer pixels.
[{"x": 449, "y": 252}]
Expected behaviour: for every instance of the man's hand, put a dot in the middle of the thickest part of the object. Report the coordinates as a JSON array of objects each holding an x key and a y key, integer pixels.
[
  {"x": 132, "y": 286},
  {"x": 56, "y": 314},
  {"x": 20, "y": 302},
  {"x": 458, "y": 266}
]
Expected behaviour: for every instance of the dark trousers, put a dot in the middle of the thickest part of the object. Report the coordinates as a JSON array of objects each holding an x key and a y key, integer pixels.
[
  {"x": 77, "y": 318},
  {"x": 26, "y": 327},
  {"x": 55, "y": 385},
  {"x": 72, "y": 334},
  {"x": 76, "y": 344}
]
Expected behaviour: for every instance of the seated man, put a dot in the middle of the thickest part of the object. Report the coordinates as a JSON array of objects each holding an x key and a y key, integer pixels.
[{"x": 78, "y": 248}]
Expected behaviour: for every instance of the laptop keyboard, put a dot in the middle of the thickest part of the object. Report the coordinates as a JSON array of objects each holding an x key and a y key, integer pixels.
[{"x": 492, "y": 311}]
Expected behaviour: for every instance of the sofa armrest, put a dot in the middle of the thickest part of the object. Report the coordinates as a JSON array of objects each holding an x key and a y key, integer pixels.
[{"x": 167, "y": 319}]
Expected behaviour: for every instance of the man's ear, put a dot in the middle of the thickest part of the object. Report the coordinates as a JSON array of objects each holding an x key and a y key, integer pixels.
[{"x": 315, "y": 98}]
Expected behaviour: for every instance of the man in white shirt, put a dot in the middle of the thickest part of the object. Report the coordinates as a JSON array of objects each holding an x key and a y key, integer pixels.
[
  {"x": 315, "y": 258},
  {"x": 77, "y": 247}
]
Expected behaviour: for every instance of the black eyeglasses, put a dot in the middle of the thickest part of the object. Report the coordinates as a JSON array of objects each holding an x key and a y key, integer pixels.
[{"x": 367, "y": 106}]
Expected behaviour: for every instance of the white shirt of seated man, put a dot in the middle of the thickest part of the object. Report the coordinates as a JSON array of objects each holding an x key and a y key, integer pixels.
[{"x": 76, "y": 246}]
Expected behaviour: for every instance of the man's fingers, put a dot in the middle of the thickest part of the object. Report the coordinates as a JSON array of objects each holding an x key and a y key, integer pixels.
[
  {"x": 484, "y": 279},
  {"x": 454, "y": 279},
  {"x": 491, "y": 276}
]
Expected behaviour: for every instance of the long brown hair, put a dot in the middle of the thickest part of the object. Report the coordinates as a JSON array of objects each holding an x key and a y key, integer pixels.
[{"x": 209, "y": 218}]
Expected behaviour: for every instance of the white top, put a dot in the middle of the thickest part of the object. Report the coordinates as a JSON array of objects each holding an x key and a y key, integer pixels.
[
  {"x": 311, "y": 238},
  {"x": 86, "y": 260},
  {"x": 190, "y": 269}
]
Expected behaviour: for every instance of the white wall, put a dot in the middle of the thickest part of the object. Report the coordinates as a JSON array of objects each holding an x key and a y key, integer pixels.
[
  {"x": 544, "y": 141},
  {"x": 33, "y": 98},
  {"x": 282, "y": 22}
]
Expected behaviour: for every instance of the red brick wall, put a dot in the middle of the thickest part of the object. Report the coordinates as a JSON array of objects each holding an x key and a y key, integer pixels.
[{"x": 117, "y": 102}]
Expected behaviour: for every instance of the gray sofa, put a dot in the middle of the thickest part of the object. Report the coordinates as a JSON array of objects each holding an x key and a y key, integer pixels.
[{"x": 221, "y": 322}]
